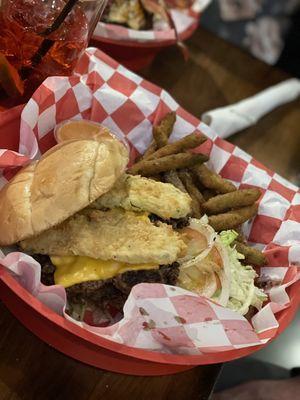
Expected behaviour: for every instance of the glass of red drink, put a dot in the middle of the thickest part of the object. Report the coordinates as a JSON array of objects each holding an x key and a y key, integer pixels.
[{"x": 41, "y": 38}]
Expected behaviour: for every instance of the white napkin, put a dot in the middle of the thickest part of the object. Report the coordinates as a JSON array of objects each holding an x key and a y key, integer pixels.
[
  {"x": 231, "y": 119},
  {"x": 199, "y": 5}
]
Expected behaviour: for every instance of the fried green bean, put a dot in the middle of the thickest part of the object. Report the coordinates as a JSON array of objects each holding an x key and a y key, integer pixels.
[
  {"x": 213, "y": 181},
  {"x": 173, "y": 161},
  {"x": 188, "y": 142},
  {"x": 163, "y": 130},
  {"x": 232, "y": 219},
  {"x": 191, "y": 188},
  {"x": 237, "y": 199},
  {"x": 252, "y": 255},
  {"x": 195, "y": 194},
  {"x": 196, "y": 209},
  {"x": 173, "y": 178},
  {"x": 208, "y": 194},
  {"x": 151, "y": 149},
  {"x": 241, "y": 237}
]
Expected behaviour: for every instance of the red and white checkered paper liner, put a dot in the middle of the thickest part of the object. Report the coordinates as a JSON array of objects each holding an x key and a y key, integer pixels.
[
  {"x": 184, "y": 21},
  {"x": 159, "y": 317}
]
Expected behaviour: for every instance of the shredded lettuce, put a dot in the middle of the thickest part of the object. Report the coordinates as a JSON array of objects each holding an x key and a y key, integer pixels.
[
  {"x": 242, "y": 293},
  {"x": 228, "y": 237}
]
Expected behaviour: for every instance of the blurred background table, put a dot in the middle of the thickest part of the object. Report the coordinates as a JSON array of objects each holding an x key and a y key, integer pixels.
[{"x": 216, "y": 74}]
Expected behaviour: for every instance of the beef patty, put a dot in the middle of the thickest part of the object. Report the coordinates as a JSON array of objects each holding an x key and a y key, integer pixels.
[
  {"x": 114, "y": 290},
  {"x": 178, "y": 223}
]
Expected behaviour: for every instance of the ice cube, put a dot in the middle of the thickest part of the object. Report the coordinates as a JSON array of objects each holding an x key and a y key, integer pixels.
[{"x": 34, "y": 15}]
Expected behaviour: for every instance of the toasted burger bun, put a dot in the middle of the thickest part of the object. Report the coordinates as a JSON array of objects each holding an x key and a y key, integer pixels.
[{"x": 67, "y": 178}]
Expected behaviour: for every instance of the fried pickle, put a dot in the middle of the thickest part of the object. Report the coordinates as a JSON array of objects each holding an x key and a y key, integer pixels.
[
  {"x": 115, "y": 234},
  {"x": 135, "y": 193}
]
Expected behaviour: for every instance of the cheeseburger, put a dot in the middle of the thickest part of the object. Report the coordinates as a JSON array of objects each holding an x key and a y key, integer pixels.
[
  {"x": 95, "y": 230},
  {"x": 98, "y": 231}
]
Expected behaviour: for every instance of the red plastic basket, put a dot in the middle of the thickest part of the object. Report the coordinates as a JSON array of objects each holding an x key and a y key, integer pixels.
[
  {"x": 91, "y": 349},
  {"x": 136, "y": 55},
  {"x": 87, "y": 347}
]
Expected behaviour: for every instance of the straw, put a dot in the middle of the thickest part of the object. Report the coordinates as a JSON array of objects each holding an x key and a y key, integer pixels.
[
  {"x": 60, "y": 18},
  {"x": 48, "y": 43}
]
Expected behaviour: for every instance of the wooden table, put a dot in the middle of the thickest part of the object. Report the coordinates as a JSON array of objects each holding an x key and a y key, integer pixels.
[{"x": 216, "y": 74}]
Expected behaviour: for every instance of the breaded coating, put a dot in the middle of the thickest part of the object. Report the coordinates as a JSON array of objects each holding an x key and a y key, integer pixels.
[
  {"x": 213, "y": 181},
  {"x": 193, "y": 191},
  {"x": 151, "y": 149},
  {"x": 142, "y": 194},
  {"x": 233, "y": 218},
  {"x": 208, "y": 193},
  {"x": 173, "y": 178},
  {"x": 167, "y": 163},
  {"x": 163, "y": 130},
  {"x": 238, "y": 198},
  {"x": 129, "y": 12},
  {"x": 252, "y": 255},
  {"x": 191, "y": 188},
  {"x": 115, "y": 234},
  {"x": 187, "y": 142}
]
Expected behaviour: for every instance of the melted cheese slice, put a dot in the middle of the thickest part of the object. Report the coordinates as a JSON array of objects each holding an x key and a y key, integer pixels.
[{"x": 71, "y": 270}]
